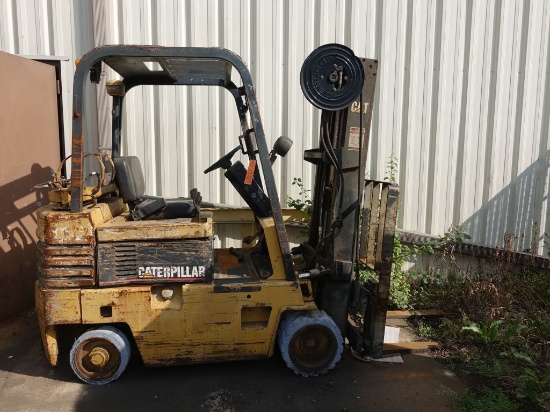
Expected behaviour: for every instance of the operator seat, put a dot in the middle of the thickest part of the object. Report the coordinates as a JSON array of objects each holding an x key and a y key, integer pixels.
[{"x": 131, "y": 185}]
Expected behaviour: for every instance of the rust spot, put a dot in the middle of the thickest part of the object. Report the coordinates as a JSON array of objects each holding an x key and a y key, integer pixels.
[{"x": 228, "y": 288}]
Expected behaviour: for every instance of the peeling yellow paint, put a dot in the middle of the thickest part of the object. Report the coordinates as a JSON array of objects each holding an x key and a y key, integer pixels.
[
  {"x": 275, "y": 255},
  {"x": 55, "y": 307},
  {"x": 61, "y": 306},
  {"x": 57, "y": 227},
  {"x": 63, "y": 196},
  {"x": 121, "y": 229},
  {"x": 50, "y": 344},
  {"x": 207, "y": 327}
]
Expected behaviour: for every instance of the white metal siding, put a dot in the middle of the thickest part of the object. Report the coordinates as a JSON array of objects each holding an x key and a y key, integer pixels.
[{"x": 462, "y": 98}]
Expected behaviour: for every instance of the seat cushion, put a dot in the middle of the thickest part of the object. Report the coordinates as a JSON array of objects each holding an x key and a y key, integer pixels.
[
  {"x": 129, "y": 178},
  {"x": 147, "y": 207}
]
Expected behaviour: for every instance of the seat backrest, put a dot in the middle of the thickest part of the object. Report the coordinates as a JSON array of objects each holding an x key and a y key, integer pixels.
[{"x": 129, "y": 178}]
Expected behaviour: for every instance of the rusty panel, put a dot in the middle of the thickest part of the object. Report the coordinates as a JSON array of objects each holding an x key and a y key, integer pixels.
[
  {"x": 63, "y": 272},
  {"x": 68, "y": 261},
  {"x": 60, "y": 227},
  {"x": 30, "y": 146},
  {"x": 66, "y": 265},
  {"x": 67, "y": 282},
  {"x": 121, "y": 229},
  {"x": 58, "y": 306},
  {"x": 64, "y": 228},
  {"x": 78, "y": 250},
  {"x": 55, "y": 307}
]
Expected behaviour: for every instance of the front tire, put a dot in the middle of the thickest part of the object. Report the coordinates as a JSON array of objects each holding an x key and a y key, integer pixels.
[
  {"x": 310, "y": 342},
  {"x": 99, "y": 356}
]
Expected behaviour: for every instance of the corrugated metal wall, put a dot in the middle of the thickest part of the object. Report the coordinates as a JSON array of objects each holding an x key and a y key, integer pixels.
[{"x": 462, "y": 99}]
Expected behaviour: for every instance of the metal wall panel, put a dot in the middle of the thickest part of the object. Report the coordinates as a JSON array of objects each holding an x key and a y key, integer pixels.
[{"x": 462, "y": 97}]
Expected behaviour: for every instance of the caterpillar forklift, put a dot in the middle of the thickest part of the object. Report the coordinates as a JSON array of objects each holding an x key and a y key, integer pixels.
[{"x": 121, "y": 272}]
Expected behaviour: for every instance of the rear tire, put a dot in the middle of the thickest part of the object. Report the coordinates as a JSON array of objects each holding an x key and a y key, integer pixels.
[
  {"x": 99, "y": 356},
  {"x": 310, "y": 342}
]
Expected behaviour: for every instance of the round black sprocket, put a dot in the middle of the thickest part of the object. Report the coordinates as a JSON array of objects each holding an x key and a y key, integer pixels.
[{"x": 332, "y": 77}]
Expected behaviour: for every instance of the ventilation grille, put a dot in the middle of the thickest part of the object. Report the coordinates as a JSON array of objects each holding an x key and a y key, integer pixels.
[
  {"x": 65, "y": 266},
  {"x": 125, "y": 260}
]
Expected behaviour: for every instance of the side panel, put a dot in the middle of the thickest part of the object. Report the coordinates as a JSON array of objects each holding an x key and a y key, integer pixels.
[{"x": 174, "y": 324}]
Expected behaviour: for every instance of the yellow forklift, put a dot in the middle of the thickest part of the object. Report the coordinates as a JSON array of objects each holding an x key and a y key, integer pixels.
[{"x": 121, "y": 272}]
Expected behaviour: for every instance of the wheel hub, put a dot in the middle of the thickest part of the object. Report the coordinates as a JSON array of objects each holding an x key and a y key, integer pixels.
[
  {"x": 99, "y": 357},
  {"x": 313, "y": 347},
  {"x": 310, "y": 343}
]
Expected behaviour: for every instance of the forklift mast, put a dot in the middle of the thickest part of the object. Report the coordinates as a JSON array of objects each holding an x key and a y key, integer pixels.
[{"x": 336, "y": 245}]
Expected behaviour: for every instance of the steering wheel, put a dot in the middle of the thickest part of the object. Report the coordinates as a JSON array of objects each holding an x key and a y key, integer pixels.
[{"x": 224, "y": 162}]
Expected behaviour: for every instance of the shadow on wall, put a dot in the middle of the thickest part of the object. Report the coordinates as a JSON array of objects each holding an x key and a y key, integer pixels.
[
  {"x": 521, "y": 208},
  {"x": 18, "y": 204}
]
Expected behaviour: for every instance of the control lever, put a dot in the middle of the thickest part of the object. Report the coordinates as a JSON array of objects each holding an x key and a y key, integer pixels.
[
  {"x": 237, "y": 253},
  {"x": 249, "y": 239},
  {"x": 197, "y": 201}
]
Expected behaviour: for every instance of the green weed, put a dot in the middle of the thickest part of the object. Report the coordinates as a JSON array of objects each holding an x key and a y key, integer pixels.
[
  {"x": 488, "y": 400},
  {"x": 535, "y": 388},
  {"x": 426, "y": 330},
  {"x": 304, "y": 203},
  {"x": 491, "y": 334}
]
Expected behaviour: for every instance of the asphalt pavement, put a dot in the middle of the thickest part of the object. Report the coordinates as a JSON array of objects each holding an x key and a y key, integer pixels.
[{"x": 28, "y": 383}]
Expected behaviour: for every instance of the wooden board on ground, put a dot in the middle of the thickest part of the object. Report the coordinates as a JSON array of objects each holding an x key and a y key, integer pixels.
[
  {"x": 406, "y": 314},
  {"x": 408, "y": 347}
]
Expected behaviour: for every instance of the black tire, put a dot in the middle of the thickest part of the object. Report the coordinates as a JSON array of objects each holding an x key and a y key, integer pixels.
[
  {"x": 310, "y": 342},
  {"x": 99, "y": 356}
]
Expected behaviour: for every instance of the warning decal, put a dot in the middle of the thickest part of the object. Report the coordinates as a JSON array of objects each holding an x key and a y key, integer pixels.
[
  {"x": 250, "y": 172},
  {"x": 354, "y": 138}
]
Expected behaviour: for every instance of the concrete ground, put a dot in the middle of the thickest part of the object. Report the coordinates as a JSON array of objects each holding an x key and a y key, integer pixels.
[{"x": 28, "y": 383}]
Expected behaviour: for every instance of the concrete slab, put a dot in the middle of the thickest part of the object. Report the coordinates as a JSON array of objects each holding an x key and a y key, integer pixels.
[
  {"x": 406, "y": 333},
  {"x": 391, "y": 334},
  {"x": 28, "y": 383}
]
